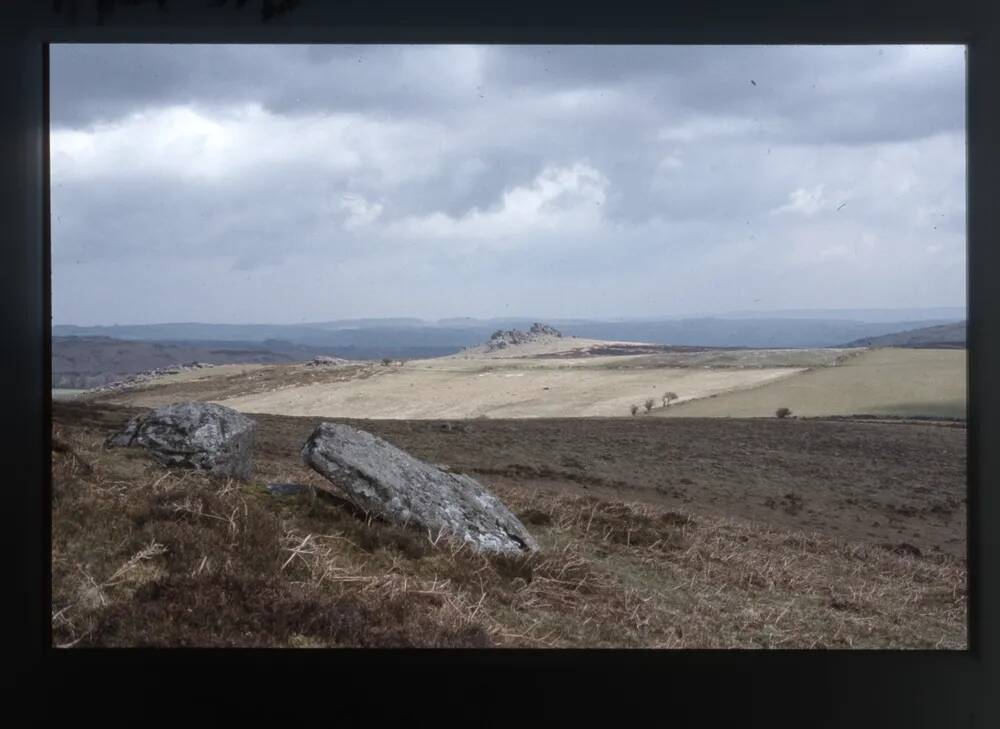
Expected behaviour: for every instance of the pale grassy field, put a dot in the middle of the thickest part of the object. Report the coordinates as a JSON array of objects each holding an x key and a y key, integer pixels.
[
  {"x": 899, "y": 382},
  {"x": 743, "y": 383},
  {"x": 507, "y": 388}
]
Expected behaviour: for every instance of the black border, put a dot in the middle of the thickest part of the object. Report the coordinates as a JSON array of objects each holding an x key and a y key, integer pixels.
[{"x": 856, "y": 688}]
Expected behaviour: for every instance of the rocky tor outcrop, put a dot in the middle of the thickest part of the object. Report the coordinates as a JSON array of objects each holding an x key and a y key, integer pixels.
[
  {"x": 382, "y": 479},
  {"x": 503, "y": 338},
  {"x": 196, "y": 435}
]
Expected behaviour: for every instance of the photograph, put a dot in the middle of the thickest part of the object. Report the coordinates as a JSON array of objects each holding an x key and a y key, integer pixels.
[{"x": 508, "y": 346}]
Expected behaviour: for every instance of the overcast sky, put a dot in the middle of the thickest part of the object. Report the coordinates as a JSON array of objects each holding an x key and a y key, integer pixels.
[{"x": 308, "y": 183}]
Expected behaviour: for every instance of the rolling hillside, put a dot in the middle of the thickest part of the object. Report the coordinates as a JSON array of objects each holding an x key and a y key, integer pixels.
[
  {"x": 937, "y": 337},
  {"x": 84, "y": 362}
]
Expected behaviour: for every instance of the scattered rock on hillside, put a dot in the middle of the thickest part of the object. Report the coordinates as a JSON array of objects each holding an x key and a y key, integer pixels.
[
  {"x": 196, "y": 435},
  {"x": 147, "y": 375},
  {"x": 382, "y": 479},
  {"x": 325, "y": 361}
]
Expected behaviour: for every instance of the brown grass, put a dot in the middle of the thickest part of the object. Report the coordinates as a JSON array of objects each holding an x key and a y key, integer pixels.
[{"x": 144, "y": 556}]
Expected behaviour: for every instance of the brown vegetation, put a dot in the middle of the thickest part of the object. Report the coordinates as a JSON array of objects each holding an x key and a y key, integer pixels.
[{"x": 146, "y": 556}]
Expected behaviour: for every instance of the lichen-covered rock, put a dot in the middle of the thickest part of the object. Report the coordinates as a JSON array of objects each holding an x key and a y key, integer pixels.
[
  {"x": 197, "y": 435},
  {"x": 382, "y": 479}
]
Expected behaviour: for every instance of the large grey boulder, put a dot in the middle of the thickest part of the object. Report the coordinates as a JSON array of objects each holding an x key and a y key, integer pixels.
[
  {"x": 382, "y": 479},
  {"x": 197, "y": 435}
]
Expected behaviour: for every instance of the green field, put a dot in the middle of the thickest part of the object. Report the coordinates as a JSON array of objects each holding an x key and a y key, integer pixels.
[{"x": 896, "y": 382}]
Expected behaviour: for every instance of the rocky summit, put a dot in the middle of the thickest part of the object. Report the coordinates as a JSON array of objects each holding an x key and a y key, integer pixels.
[
  {"x": 196, "y": 435},
  {"x": 382, "y": 479},
  {"x": 503, "y": 338}
]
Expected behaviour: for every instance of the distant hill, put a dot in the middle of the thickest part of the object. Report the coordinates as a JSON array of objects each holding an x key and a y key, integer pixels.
[
  {"x": 870, "y": 316},
  {"x": 941, "y": 336},
  {"x": 758, "y": 333},
  {"x": 83, "y": 362},
  {"x": 410, "y": 338},
  {"x": 84, "y": 357}
]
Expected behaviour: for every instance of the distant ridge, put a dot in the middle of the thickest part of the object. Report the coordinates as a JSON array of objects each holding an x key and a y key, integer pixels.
[
  {"x": 409, "y": 338},
  {"x": 940, "y": 336},
  {"x": 870, "y": 316}
]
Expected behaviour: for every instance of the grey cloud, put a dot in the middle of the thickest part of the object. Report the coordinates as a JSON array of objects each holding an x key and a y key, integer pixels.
[
  {"x": 697, "y": 160},
  {"x": 791, "y": 82},
  {"x": 95, "y": 82}
]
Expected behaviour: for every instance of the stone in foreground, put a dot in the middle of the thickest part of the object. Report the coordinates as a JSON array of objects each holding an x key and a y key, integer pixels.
[
  {"x": 382, "y": 479},
  {"x": 196, "y": 435}
]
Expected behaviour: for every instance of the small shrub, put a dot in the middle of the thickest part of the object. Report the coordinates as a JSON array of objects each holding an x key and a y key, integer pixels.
[
  {"x": 782, "y": 412},
  {"x": 634, "y": 409},
  {"x": 649, "y": 404},
  {"x": 386, "y": 361}
]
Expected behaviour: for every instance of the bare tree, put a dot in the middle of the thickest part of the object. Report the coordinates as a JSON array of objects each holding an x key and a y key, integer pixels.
[{"x": 669, "y": 397}]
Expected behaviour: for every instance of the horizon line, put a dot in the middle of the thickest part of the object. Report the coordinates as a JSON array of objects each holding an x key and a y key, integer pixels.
[{"x": 537, "y": 318}]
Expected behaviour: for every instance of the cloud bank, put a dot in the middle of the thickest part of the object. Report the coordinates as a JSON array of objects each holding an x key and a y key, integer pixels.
[{"x": 308, "y": 183}]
